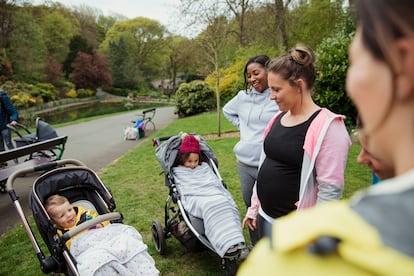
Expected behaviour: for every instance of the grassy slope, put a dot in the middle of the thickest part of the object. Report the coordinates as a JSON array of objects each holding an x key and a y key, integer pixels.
[{"x": 140, "y": 194}]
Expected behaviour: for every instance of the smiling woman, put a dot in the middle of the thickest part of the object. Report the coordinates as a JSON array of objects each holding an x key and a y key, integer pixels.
[{"x": 250, "y": 111}]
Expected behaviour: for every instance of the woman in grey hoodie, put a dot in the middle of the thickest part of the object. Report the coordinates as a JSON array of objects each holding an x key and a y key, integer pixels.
[{"x": 250, "y": 111}]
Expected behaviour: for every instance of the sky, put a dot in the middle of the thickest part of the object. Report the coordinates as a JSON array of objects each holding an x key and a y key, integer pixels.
[{"x": 164, "y": 11}]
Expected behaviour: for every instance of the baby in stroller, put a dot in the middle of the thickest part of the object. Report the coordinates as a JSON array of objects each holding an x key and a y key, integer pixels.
[
  {"x": 64, "y": 201},
  {"x": 204, "y": 196},
  {"x": 119, "y": 245}
]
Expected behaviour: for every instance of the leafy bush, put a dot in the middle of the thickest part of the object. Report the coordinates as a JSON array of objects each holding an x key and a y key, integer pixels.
[
  {"x": 65, "y": 87},
  {"x": 230, "y": 81},
  {"x": 71, "y": 94},
  {"x": 194, "y": 98},
  {"x": 23, "y": 100},
  {"x": 332, "y": 65},
  {"x": 46, "y": 91},
  {"x": 85, "y": 93}
]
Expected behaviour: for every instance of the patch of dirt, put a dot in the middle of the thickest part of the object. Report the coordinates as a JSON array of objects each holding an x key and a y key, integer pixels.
[{"x": 222, "y": 135}]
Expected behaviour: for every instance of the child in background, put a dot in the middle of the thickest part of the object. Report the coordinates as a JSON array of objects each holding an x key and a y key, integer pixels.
[
  {"x": 110, "y": 249},
  {"x": 204, "y": 196}
]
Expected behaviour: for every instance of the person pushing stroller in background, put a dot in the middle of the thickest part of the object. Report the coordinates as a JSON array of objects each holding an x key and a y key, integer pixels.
[
  {"x": 8, "y": 115},
  {"x": 204, "y": 196}
]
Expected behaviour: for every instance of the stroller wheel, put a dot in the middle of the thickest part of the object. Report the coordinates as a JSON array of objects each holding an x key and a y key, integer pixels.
[
  {"x": 158, "y": 237},
  {"x": 3, "y": 186},
  {"x": 229, "y": 262},
  {"x": 230, "y": 266}
]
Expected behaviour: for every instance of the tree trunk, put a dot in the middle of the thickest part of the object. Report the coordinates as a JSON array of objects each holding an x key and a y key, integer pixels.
[{"x": 280, "y": 17}]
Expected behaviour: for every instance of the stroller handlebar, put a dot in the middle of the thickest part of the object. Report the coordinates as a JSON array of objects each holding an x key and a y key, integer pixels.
[
  {"x": 15, "y": 128},
  {"x": 42, "y": 167},
  {"x": 158, "y": 140},
  {"x": 90, "y": 223}
]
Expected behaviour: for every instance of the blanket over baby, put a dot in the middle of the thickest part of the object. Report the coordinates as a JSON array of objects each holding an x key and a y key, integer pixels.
[
  {"x": 204, "y": 196},
  {"x": 116, "y": 249}
]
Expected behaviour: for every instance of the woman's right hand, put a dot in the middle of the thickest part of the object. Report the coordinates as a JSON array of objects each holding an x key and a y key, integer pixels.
[{"x": 251, "y": 223}]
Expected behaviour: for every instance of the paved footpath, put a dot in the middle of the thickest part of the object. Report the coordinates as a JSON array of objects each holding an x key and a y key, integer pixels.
[{"x": 96, "y": 143}]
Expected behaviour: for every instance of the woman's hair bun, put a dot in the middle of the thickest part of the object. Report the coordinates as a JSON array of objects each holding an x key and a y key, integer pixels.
[{"x": 302, "y": 55}]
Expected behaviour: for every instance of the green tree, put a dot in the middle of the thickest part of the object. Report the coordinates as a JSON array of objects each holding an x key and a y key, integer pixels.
[
  {"x": 77, "y": 44},
  {"x": 89, "y": 28},
  {"x": 145, "y": 42},
  {"x": 125, "y": 73},
  {"x": 27, "y": 51},
  {"x": 181, "y": 58},
  {"x": 6, "y": 22},
  {"x": 213, "y": 41},
  {"x": 104, "y": 23},
  {"x": 311, "y": 21},
  {"x": 58, "y": 32}
]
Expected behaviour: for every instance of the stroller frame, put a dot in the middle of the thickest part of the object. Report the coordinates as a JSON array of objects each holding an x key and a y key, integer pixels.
[
  {"x": 194, "y": 239},
  {"x": 60, "y": 260},
  {"x": 43, "y": 132}
]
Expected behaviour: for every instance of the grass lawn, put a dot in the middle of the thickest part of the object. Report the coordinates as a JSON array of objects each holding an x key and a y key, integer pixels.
[{"x": 138, "y": 188}]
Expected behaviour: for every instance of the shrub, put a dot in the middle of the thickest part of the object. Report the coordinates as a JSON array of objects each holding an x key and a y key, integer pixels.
[
  {"x": 332, "y": 65},
  {"x": 85, "y": 93},
  {"x": 71, "y": 93},
  {"x": 23, "y": 100},
  {"x": 116, "y": 91},
  {"x": 46, "y": 91},
  {"x": 230, "y": 80},
  {"x": 194, "y": 98},
  {"x": 64, "y": 87}
]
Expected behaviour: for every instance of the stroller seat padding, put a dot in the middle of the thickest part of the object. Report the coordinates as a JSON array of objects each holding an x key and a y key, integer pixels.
[{"x": 85, "y": 204}]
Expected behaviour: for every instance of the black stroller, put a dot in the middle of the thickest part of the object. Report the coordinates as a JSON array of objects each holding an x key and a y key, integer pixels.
[
  {"x": 43, "y": 132},
  {"x": 189, "y": 230},
  {"x": 82, "y": 187},
  {"x": 37, "y": 148}
]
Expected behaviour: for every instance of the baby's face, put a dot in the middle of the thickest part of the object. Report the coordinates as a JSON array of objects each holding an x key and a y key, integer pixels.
[
  {"x": 63, "y": 215},
  {"x": 192, "y": 161}
]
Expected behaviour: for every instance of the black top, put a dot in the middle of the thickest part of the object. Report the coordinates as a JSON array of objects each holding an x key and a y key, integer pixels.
[{"x": 278, "y": 180}]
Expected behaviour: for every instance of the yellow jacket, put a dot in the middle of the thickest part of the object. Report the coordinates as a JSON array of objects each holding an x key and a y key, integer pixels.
[
  {"x": 81, "y": 216},
  {"x": 359, "y": 252}
]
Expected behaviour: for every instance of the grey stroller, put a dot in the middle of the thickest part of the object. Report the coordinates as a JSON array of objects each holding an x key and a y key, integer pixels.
[{"x": 179, "y": 223}]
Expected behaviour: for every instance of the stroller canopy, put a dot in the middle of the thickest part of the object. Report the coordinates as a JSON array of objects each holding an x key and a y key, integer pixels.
[
  {"x": 75, "y": 183},
  {"x": 167, "y": 152},
  {"x": 44, "y": 131}
]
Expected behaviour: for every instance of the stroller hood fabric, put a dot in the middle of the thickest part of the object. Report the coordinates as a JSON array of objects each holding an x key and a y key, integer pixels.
[
  {"x": 167, "y": 152},
  {"x": 44, "y": 131}
]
